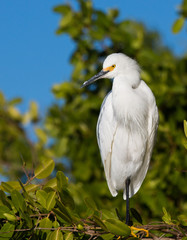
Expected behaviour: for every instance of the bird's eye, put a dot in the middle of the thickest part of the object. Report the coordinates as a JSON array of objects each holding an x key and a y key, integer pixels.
[{"x": 113, "y": 66}]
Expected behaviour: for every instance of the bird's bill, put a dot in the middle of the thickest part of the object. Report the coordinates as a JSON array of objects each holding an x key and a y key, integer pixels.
[{"x": 95, "y": 78}]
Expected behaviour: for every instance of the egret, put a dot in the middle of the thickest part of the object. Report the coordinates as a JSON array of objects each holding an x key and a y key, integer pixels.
[{"x": 126, "y": 127}]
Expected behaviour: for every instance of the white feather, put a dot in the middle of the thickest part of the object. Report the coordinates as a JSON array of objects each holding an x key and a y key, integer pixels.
[{"x": 127, "y": 126}]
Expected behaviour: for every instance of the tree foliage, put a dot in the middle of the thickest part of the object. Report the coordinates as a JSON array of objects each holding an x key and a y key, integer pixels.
[
  {"x": 97, "y": 35},
  {"x": 45, "y": 205},
  {"x": 48, "y": 211},
  {"x": 15, "y": 146},
  {"x": 179, "y": 23}
]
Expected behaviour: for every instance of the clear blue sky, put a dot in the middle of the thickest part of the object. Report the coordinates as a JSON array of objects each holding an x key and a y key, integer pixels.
[{"x": 33, "y": 58}]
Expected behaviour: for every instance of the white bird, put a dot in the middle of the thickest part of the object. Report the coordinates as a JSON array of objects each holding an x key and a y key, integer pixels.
[{"x": 127, "y": 126}]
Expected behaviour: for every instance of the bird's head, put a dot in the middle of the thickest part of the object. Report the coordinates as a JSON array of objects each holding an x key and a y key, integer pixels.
[{"x": 114, "y": 65}]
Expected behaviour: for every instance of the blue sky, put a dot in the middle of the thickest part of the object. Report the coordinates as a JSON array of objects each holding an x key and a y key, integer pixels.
[{"x": 33, "y": 58}]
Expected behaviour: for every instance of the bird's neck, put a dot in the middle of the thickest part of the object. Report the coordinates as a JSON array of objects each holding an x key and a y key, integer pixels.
[
  {"x": 130, "y": 78},
  {"x": 125, "y": 83},
  {"x": 124, "y": 97}
]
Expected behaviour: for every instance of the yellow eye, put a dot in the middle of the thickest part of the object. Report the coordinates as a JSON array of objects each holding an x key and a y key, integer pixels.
[{"x": 109, "y": 69}]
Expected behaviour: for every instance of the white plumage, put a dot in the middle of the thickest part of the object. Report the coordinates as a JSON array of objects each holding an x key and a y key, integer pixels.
[{"x": 127, "y": 124}]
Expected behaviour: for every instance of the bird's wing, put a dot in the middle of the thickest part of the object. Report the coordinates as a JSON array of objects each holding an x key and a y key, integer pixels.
[
  {"x": 106, "y": 128},
  {"x": 153, "y": 119}
]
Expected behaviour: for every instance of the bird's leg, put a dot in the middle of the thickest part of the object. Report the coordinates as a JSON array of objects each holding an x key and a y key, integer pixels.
[
  {"x": 127, "y": 183},
  {"x": 128, "y": 222}
]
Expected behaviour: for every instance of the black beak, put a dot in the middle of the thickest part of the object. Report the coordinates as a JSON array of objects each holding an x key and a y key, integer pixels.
[{"x": 94, "y": 78}]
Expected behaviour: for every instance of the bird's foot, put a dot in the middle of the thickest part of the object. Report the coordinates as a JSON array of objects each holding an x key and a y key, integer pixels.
[{"x": 135, "y": 230}]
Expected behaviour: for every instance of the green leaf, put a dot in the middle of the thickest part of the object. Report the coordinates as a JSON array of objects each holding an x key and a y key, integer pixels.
[
  {"x": 63, "y": 9},
  {"x": 41, "y": 196},
  {"x": 7, "y": 187},
  {"x": 10, "y": 217},
  {"x": 66, "y": 20},
  {"x": 61, "y": 90},
  {"x": 80, "y": 227},
  {"x": 45, "y": 223},
  {"x": 62, "y": 212},
  {"x": 61, "y": 147},
  {"x": 45, "y": 168},
  {"x": 56, "y": 224},
  {"x": 2, "y": 99},
  {"x": 185, "y": 127},
  {"x": 27, "y": 219},
  {"x": 26, "y": 195},
  {"x": 49, "y": 236},
  {"x": 178, "y": 24},
  {"x": 167, "y": 217},
  {"x": 33, "y": 111},
  {"x": 15, "y": 101},
  {"x": 89, "y": 212},
  {"x": 117, "y": 227},
  {"x": 62, "y": 215},
  {"x": 113, "y": 13},
  {"x": 68, "y": 236},
  {"x": 14, "y": 113},
  {"x": 14, "y": 184},
  {"x": 4, "y": 209},
  {"x": 31, "y": 187},
  {"x": 50, "y": 201},
  {"x": 136, "y": 215},
  {"x": 107, "y": 236},
  {"x": 52, "y": 183},
  {"x": 55, "y": 235},
  {"x": 26, "y": 118},
  {"x": 4, "y": 199},
  {"x": 90, "y": 203},
  {"x": 183, "y": 219},
  {"x": 119, "y": 215},
  {"x": 42, "y": 136},
  {"x": 18, "y": 201},
  {"x": 106, "y": 214},
  {"x": 63, "y": 209},
  {"x": 62, "y": 181},
  {"x": 6, "y": 231},
  {"x": 100, "y": 223},
  {"x": 67, "y": 199}
]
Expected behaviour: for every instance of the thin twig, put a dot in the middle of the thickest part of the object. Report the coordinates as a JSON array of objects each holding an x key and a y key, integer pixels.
[{"x": 95, "y": 231}]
